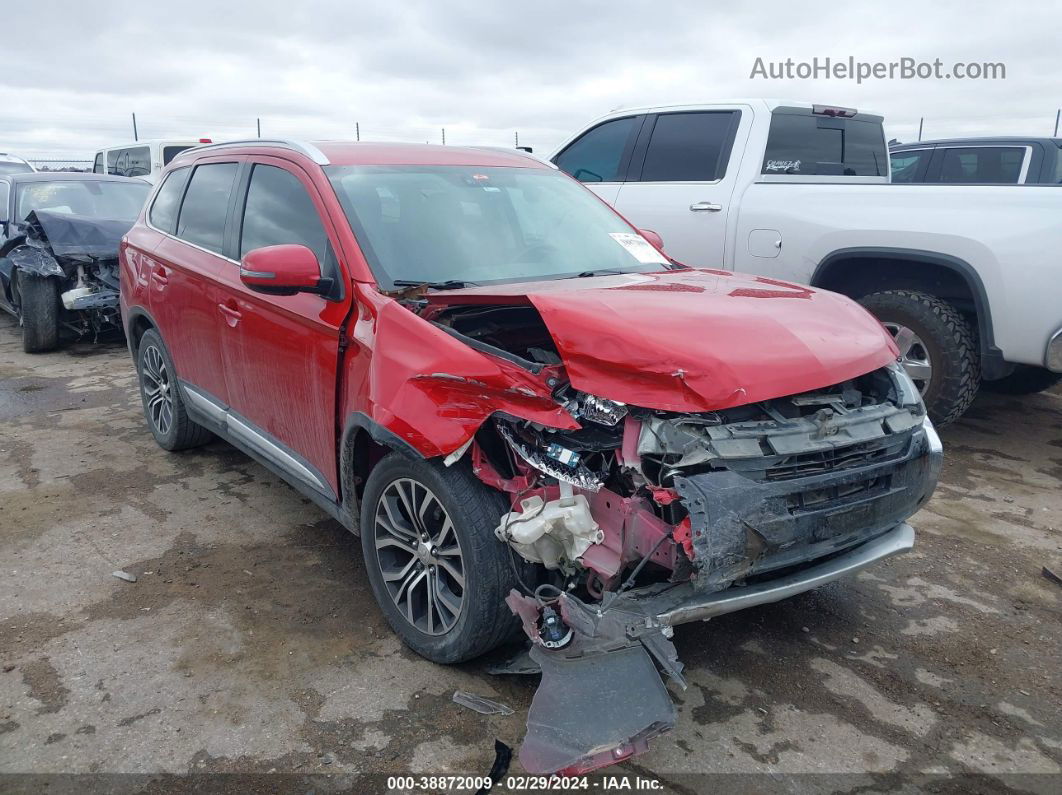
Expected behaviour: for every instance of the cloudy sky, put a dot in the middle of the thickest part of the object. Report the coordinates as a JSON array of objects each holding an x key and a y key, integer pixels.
[{"x": 75, "y": 71}]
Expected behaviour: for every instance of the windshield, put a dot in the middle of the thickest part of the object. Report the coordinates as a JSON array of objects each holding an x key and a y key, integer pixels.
[
  {"x": 475, "y": 225},
  {"x": 120, "y": 201}
]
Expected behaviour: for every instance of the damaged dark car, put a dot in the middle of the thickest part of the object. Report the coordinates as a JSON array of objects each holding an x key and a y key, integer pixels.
[{"x": 59, "y": 237}]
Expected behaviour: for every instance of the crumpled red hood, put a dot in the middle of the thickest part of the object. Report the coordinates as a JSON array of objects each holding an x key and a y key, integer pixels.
[{"x": 697, "y": 340}]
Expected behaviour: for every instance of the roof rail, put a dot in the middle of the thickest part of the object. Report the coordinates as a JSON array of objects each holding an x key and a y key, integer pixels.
[{"x": 302, "y": 147}]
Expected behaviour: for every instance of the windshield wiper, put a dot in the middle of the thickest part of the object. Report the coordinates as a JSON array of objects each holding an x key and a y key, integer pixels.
[
  {"x": 449, "y": 284},
  {"x": 598, "y": 272}
]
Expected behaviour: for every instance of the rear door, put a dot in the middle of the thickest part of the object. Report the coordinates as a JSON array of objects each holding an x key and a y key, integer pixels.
[
  {"x": 191, "y": 210},
  {"x": 680, "y": 182},
  {"x": 281, "y": 352}
]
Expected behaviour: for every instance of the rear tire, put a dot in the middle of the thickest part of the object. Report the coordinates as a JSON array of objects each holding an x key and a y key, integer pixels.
[
  {"x": 399, "y": 558},
  {"x": 164, "y": 407},
  {"x": 39, "y": 304},
  {"x": 950, "y": 347},
  {"x": 1025, "y": 380}
]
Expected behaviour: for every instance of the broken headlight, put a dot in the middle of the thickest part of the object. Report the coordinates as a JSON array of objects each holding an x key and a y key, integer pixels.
[
  {"x": 907, "y": 394},
  {"x": 601, "y": 410}
]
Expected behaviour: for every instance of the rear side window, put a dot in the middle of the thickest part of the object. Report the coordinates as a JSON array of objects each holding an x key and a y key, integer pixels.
[
  {"x": 279, "y": 210},
  {"x": 906, "y": 166},
  {"x": 133, "y": 162},
  {"x": 599, "y": 154},
  {"x": 692, "y": 147},
  {"x": 170, "y": 152},
  {"x": 5, "y": 191},
  {"x": 993, "y": 165},
  {"x": 805, "y": 144},
  {"x": 97, "y": 164},
  {"x": 202, "y": 218},
  {"x": 163, "y": 214}
]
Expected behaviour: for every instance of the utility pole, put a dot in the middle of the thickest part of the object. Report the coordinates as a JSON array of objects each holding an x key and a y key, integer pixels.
[
  {"x": 920, "y": 120},
  {"x": 516, "y": 139},
  {"x": 259, "y": 127},
  {"x": 135, "y": 138},
  {"x": 357, "y": 131},
  {"x": 1057, "y": 114},
  {"x": 444, "y": 136}
]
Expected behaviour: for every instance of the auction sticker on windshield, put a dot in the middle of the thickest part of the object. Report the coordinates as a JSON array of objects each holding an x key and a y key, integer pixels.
[{"x": 640, "y": 248}]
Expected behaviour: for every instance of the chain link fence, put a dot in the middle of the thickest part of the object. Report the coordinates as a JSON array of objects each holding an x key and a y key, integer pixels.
[{"x": 60, "y": 165}]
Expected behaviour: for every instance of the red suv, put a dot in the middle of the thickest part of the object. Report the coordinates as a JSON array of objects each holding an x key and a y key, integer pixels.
[{"x": 522, "y": 406}]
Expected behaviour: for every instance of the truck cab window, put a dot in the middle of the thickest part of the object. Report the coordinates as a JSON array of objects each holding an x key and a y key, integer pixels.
[
  {"x": 689, "y": 147},
  {"x": 598, "y": 155}
]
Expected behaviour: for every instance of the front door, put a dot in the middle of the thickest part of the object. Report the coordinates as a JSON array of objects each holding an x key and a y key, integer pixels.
[{"x": 281, "y": 352}]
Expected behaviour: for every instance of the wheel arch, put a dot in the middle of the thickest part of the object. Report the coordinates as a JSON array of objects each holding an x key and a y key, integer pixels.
[
  {"x": 363, "y": 444},
  {"x": 138, "y": 321},
  {"x": 945, "y": 276}
]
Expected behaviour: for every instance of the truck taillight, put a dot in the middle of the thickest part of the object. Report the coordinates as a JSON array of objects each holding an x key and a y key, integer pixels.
[
  {"x": 837, "y": 113},
  {"x": 205, "y": 141}
]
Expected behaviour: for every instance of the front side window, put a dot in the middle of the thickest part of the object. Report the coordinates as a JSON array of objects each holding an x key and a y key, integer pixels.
[
  {"x": 279, "y": 210},
  {"x": 598, "y": 155},
  {"x": 985, "y": 165},
  {"x": 689, "y": 147},
  {"x": 163, "y": 214},
  {"x": 801, "y": 143},
  {"x": 97, "y": 164},
  {"x": 483, "y": 225},
  {"x": 133, "y": 162},
  {"x": 906, "y": 165},
  {"x": 5, "y": 191},
  {"x": 120, "y": 201},
  {"x": 206, "y": 202}
]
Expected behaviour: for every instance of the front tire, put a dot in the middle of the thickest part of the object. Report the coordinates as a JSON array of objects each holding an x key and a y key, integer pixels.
[
  {"x": 1025, "y": 380},
  {"x": 39, "y": 304},
  {"x": 938, "y": 349},
  {"x": 164, "y": 407},
  {"x": 438, "y": 573}
]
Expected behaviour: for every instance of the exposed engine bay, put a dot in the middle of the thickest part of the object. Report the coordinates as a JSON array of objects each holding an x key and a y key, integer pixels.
[
  {"x": 642, "y": 518},
  {"x": 81, "y": 253}
]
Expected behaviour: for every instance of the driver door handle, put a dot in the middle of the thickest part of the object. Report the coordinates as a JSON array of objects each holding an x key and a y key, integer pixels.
[
  {"x": 231, "y": 312},
  {"x": 705, "y": 207}
]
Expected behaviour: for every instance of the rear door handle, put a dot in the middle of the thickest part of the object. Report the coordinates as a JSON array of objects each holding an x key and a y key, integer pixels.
[
  {"x": 231, "y": 312},
  {"x": 700, "y": 207}
]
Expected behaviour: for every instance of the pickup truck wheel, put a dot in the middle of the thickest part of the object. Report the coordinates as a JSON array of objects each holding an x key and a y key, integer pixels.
[
  {"x": 163, "y": 405},
  {"x": 1025, "y": 380},
  {"x": 39, "y": 313},
  {"x": 436, "y": 569},
  {"x": 938, "y": 349}
]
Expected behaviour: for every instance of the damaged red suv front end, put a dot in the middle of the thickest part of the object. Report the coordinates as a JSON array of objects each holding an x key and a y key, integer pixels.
[
  {"x": 702, "y": 442},
  {"x": 671, "y": 444}
]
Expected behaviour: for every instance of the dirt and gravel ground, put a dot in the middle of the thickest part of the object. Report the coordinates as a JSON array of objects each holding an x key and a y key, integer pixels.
[{"x": 250, "y": 642}]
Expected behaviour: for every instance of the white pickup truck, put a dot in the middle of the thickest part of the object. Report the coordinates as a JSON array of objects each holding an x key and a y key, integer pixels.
[{"x": 968, "y": 278}]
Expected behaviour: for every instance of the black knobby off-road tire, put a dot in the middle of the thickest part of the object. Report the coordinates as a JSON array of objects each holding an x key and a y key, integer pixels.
[
  {"x": 1025, "y": 380},
  {"x": 181, "y": 432},
  {"x": 950, "y": 342},
  {"x": 39, "y": 301},
  {"x": 485, "y": 622}
]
